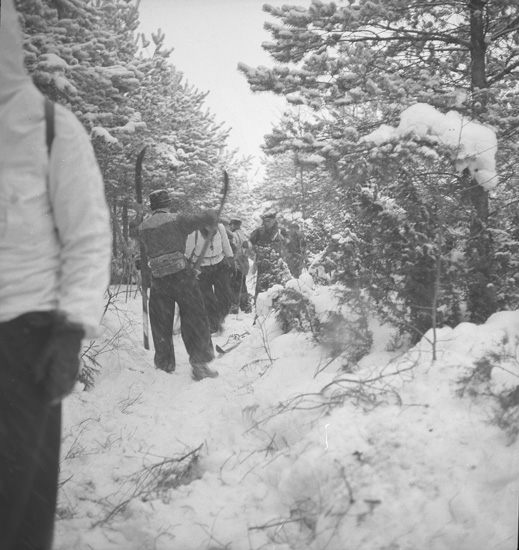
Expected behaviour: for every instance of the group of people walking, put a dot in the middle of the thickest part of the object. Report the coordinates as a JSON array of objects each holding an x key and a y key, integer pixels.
[
  {"x": 200, "y": 264},
  {"x": 55, "y": 255}
]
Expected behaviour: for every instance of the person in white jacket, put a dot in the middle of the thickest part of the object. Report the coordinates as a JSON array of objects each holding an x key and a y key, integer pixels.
[
  {"x": 54, "y": 269},
  {"x": 215, "y": 272}
]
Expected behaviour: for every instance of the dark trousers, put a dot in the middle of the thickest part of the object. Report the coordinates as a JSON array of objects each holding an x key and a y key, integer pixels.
[
  {"x": 179, "y": 288},
  {"x": 30, "y": 436},
  {"x": 215, "y": 284},
  {"x": 240, "y": 293}
]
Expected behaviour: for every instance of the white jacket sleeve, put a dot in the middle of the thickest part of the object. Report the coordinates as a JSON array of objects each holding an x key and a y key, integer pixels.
[{"x": 82, "y": 220}]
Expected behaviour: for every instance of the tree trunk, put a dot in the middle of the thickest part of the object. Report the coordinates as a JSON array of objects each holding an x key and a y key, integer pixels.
[
  {"x": 480, "y": 249},
  {"x": 478, "y": 49},
  {"x": 478, "y": 196},
  {"x": 126, "y": 232}
]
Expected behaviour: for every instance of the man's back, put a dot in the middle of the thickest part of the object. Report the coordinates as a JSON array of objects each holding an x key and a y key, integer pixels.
[{"x": 162, "y": 234}]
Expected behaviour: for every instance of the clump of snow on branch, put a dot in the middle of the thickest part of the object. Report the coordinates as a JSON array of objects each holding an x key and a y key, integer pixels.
[
  {"x": 169, "y": 152},
  {"x": 52, "y": 62},
  {"x": 52, "y": 68},
  {"x": 134, "y": 124},
  {"x": 475, "y": 145},
  {"x": 103, "y": 133},
  {"x": 121, "y": 77},
  {"x": 311, "y": 160},
  {"x": 304, "y": 284}
]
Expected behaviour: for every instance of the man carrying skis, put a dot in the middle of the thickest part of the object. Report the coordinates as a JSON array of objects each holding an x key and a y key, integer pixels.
[
  {"x": 173, "y": 281},
  {"x": 214, "y": 272},
  {"x": 55, "y": 248}
]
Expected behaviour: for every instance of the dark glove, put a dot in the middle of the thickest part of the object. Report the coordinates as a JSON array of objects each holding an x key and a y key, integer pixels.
[{"x": 57, "y": 368}]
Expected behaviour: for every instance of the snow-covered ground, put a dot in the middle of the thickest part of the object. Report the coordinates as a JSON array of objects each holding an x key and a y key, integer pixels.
[{"x": 287, "y": 450}]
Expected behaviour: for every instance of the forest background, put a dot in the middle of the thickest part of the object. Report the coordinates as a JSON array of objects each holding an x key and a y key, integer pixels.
[{"x": 402, "y": 228}]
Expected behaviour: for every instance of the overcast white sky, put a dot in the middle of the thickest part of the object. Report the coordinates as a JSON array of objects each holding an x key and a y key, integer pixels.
[{"x": 210, "y": 37}]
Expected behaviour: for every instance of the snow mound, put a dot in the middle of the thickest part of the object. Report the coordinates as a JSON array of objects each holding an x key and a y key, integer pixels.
[{"x": 286, "y": 449}]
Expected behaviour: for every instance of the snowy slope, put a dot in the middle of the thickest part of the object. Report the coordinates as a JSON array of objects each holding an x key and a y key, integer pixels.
[{"x": 399, "y": 462}]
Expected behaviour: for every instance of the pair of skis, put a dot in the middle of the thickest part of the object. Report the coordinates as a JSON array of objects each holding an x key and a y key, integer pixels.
[
  {"x": 145, "y": 270},
  {"x": 233, "y": 342}
]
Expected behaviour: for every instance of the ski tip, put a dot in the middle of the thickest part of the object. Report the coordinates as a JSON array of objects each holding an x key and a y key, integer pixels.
[{"x": 219, "y": 349}]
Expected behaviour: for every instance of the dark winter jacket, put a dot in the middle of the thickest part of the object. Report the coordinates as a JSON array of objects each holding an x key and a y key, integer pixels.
[
  {"x": 263, "y": 236},
  {"x": 165, "y": 233}
]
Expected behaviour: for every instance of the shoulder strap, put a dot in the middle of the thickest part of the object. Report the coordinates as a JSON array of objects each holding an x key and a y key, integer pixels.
[
  {"x": 190, "y": 259},
  {"x": 49, "y": 123}
]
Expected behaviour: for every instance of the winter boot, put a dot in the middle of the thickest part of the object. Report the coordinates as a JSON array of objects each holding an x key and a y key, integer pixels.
[
  {"x": 166, "y": 367},
  {"x": 218, "y": 329},
  {"x": 201, "y": 370}
]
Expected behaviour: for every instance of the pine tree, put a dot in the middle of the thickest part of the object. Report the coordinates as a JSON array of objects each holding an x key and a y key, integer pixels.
[
  {"x": 359, "y": 64},
  {"x": 87, "y": 55}
]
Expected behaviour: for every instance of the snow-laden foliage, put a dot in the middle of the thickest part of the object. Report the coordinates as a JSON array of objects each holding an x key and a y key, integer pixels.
[
  {"x": 83, "y": 55},
  {"x": 364, "y": 52},
  {"x": 352, "y": 71},
  {"x": 89, "y": 57},
  {"x": 341, "y": 331},
  {"x": 474, "y": 146}
]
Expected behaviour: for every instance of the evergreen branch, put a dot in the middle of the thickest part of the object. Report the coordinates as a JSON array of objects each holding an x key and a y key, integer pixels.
[
  {"x": 409, "y": 35},
  {"x": 494, "y": 212},
  {"x": 513, "y": 26},
  {"x": 506, "y": 71}
]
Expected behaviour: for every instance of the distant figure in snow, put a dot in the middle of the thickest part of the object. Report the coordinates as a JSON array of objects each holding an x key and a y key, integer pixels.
[
  {"x": 241, "y": 299},
  {"x": 215, "y": 272},
  {"x": 173, "y": 282},
  {"x": 295, "y": 250},
  {"x": 55, "y": 247},
  {"x": 269, "y": 241}
]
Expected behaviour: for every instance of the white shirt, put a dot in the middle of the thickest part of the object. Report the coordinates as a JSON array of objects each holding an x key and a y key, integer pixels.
[{"x": 216, "y": 251}]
